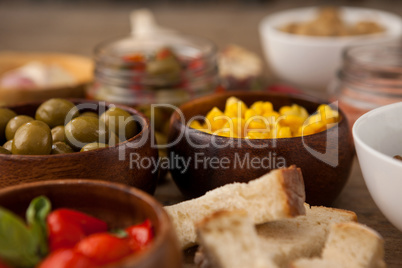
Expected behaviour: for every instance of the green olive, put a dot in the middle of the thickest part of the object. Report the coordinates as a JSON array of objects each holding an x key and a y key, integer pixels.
[
  {"x": 15, "y": 123},
  {"x": 61, "y": 148},
  {"x": 90, "y": 114},
  {"x": 55, "y": 112},
  {"x": 8, "y": 145},
  {"x": 5, "y": 116},
  {"x": 93, "y": 146},
  {"x": 156, "y": 115},
  {"x": 113, "y": 139},
  {"x": 83, "y": 130},
  {"x": 4, "y": 151},
  {"x": 120, "y": 122},
  {"x": 33, "y": 138},
  {"x": 58, "y": 134}
]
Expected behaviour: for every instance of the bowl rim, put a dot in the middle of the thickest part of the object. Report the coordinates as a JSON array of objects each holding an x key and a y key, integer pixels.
[
  {"x": 161, "y": 215},
  {"x": 308, "y": 98},
  {"x": 71, "y": 56},
  {"x": 363, "y": 120},
  {"x": 146, "y": 127},
  {"x": 266, "y": 28}
]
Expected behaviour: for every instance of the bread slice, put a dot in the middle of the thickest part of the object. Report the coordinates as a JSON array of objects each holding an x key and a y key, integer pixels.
[
  {"x": 349, "y": 245},
  {"x": 276, "y": 195},
  {"x": 285, "y": 240},
  {"x": 304, "y": 236},
  {"x": 230, "y": 240}
]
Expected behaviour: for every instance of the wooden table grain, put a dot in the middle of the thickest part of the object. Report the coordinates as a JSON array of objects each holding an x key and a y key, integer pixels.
[{"x": 76, "y": 27}]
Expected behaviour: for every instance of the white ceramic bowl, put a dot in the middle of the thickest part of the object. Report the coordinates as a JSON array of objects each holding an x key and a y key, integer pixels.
[
  {"x": 309, "y": 62},
  {"x": 378, "y": 137}
]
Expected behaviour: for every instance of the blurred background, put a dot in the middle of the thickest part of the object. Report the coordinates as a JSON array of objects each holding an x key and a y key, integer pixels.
[{"x": 76, "y": 26}]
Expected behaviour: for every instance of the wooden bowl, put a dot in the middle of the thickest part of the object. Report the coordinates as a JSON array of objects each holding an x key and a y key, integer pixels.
[
  {"x": 325, "y": 158},
  {"x": 109, "y": 164},
  {"x": 81, "y": 68},
  {"x": 119, "y": 205}
]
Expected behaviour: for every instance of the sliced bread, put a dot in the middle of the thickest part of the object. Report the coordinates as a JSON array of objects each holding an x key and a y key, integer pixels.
[
  {"x": 282, "y": 241},
  {"x": 304, "y": 236},
  {"x": 230, "y": 240},
  {"x": 349, "y": 245},
  {"x": 276, "y": 195}
]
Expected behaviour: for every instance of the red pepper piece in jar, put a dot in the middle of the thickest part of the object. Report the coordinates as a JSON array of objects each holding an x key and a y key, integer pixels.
[
  {"x": 90, "y": 225},
  {"x": 104, "y": 248},
  {"x": 3, "y": 264},
  {"x": 62, "y": 232},
  {"x": 164, "y": 53},
  {"x": 137, "y": 60},
  {"x": 66, "y": 258},
  {"x": 140, "y": 235}
]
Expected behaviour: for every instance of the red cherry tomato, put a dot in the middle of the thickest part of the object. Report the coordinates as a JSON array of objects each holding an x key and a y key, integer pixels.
[
  {"x": 90, "y": 225},
  {"x": 103, "y": 248},
  {"x": 66, "y": 258},
  {"x": 140, "y": 235},
  {"x": 62, "y": 233}
]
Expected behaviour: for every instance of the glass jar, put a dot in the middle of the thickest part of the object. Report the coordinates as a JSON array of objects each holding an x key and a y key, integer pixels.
[
  {"x": 370, "y": 77},
  {"x": 135, "y": 71}
]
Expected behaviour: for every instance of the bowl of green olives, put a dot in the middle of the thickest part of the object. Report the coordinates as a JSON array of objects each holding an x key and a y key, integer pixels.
[{"x": 60, "y": 139}]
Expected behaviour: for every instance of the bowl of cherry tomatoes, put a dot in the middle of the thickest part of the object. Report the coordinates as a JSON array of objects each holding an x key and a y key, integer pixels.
[{"x": 84, "y": 223}]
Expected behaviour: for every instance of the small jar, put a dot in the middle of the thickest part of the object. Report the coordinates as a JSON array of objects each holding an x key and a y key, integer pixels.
[
  {"x": 133, "y": 72},
  {"x": 370, "y": 77}
]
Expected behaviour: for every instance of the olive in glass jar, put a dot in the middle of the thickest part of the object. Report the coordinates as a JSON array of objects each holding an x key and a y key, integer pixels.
[{"x": 32, "y": 138}]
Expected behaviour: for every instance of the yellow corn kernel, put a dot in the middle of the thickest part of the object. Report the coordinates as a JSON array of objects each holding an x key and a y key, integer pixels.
[
  {"x": 231, "y": 100},
  {"x": 216, "y": 119},
  {"x": 250, "y": 113},
  {"x": 294, "y": 110},
  {"x": 267, "y": 107},
  {"x": 284, "y": 132},
  {"x": 328, "y": 114},
  {"x": 314, "y": 127},
  {"x": 195, "y": 124},
  {"x": 272, "y": 117},
  {"x": 306, "y": 130},
  {"x": 237, "y": 109},
  {"x": 257, "y": 124},
  {"x": 258, "y": 107},
  {"x": 258, "y": 135},
  {"x": 291, "y": 121},
  {"x": 236, "y": 126},
  {"x": 228, "y": 134},
  {"x": 316, "y": 123},
  {"x": 201, "y": 127}
]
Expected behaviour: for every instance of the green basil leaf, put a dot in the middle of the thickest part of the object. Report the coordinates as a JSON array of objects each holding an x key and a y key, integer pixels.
[
  {"x": 36, "y": 215},
  {"x": 17, "y": 246},
  {"x": 120, "y": 233}
]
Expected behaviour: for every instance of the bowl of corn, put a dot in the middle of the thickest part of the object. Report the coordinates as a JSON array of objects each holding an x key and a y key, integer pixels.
[{"x": 239, "y": 136}]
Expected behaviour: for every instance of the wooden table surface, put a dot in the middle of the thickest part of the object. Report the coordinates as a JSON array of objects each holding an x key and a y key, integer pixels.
[{"x": 78, "y": 28}]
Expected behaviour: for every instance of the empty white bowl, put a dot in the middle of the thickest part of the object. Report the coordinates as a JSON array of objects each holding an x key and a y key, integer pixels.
[
  {"x": 378, "y": 137},
  {"x": 309, "y": 62}
]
